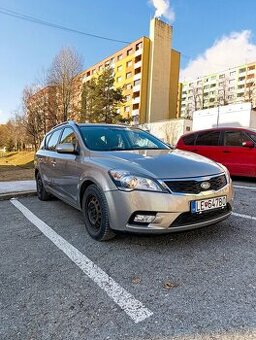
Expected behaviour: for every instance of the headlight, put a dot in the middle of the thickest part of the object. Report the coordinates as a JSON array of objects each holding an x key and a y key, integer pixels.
[
  {"x": 225, "y": 169},
  {"x": 126, "y": 181}
]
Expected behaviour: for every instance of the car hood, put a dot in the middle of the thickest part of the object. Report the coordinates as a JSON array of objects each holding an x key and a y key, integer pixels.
[{"x": 158, "y": 163}]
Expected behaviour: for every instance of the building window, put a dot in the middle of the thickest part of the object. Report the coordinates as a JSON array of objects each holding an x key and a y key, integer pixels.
[
  {"x": 242, "y": 70},
  {"x": 128, "y": 75},
  {"x": 112, "y": 61},
  {"x": 88, "y": 74},
  {"x": 129, "y": 63},
  {"x": 138, "y": 58},
  {"x": 137, "y": 82},
  {"x": 107, "y": 63},
  {"x": 240, "y": 94},
  {"x": 136, "y": 94},
  {"x": 138, "y": 46},
  {"x": 232, "y": 74},
  {"x": 119, "y": 68},
  {"x": 93, "y": 71},
  {"x": 129, "y": 52},
  {"x": 241, "y": 78},
  {"x": 251, "y": 68},
  {"x": 128, "y": 97},
  {"x": 101, "y": 67},
  {"x": 120, "y": 57},
  {"x": 221, "y": 76},
  {"x": 135, "y": 106},
  {"x": 250, "y": 84},
  {"x": 231, "y": 88},
  {"x": 128, "y": 86},
  {"x": 250, "y": 76},
  {"x": 119, "y": 79},
  {"x": 137, "y": 70}
]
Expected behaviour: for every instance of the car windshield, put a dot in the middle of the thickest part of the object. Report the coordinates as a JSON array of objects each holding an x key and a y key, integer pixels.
[{"x": 103, "y": 138}]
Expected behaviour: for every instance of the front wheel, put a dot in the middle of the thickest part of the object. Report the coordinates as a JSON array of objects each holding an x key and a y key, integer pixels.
[
  {"x": 42, "y": 194},
  {"x": 96, "y": 216}
]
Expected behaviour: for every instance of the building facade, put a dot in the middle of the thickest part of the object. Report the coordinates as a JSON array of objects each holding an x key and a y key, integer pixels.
[
  {"x": 147, "y": 70},
  {"x": 234, "y": 85}
]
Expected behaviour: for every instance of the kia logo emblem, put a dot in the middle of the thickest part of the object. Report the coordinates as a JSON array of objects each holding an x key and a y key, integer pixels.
[{"x": 205, "y": 185}]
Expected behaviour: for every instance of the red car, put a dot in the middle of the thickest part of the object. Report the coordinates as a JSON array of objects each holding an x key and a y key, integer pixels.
[{"x": 233, "y": 147}]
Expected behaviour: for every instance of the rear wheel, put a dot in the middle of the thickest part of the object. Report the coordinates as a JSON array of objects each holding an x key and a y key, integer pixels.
[
  {"x": 42, "y": 194},
  {"x": 96, "y": 216}
]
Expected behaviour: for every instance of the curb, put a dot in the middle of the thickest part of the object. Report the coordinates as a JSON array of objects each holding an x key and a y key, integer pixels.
[{"x": 9, "y": 195}]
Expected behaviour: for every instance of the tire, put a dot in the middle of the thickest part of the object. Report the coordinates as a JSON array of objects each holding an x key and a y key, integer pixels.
[
  {"x": 42, "y": 194},
  {"x": 96, "y": 215}
]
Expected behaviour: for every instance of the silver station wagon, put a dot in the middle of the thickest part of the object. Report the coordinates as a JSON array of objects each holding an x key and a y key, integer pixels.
[{"x": 123, "y": 178}]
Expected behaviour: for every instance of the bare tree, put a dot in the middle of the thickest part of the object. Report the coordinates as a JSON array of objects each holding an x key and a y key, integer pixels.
[
  {"x": 250, "y": 93},
  {"x": 65, "y": 66},
  {"x": 34, "y": 119},
  {"x": 223, "y": 91}
]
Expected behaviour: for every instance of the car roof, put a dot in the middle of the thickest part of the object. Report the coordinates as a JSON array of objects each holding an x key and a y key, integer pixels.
[{"x": 221, "y": 129}]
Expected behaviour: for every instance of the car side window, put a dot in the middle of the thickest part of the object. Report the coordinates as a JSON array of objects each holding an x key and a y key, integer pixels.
[
  {"x": 234, "y": 138},
  {"x": 208, "y": 138},
  {"x": 253, "y": 137},
  {"x": 189, "y": 139},
  {"x": 68, "y": 136},
  {"x": 53, "y": 141}
]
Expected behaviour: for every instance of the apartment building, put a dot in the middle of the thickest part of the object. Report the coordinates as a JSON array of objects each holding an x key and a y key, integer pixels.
[
  {"x": 148, "y": 72},
  {"x": 234, "y": 85}
]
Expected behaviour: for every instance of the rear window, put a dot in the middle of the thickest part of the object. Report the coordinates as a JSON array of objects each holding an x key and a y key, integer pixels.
[
  {"x": 208, "y": 138},
  {"x": 189, "y": 139}
]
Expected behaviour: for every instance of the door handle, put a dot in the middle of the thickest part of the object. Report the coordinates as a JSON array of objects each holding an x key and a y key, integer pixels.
[{"x": 226, "y": 151}]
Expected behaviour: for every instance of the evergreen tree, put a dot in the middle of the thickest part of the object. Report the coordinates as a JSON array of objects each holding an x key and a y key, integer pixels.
[{"x": 100, "y": 100}]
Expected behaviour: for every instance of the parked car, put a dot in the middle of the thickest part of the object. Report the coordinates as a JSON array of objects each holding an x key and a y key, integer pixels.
[
  {"x": 233, "y": 147},
  {"x": 126, "y": 179}
]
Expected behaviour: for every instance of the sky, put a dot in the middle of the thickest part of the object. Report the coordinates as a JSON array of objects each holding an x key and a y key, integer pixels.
[{"x": 212, "y": 35}]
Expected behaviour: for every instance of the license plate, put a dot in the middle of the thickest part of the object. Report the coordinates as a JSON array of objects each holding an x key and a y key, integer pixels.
[{"x": 208, "y": 204}]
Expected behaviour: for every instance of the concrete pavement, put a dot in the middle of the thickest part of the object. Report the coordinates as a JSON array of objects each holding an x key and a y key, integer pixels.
[{"x": 17, "y": 188}]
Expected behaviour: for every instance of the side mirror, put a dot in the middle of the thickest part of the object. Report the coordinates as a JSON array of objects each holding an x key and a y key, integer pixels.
[
  {"x": 248, "y": 144},
  {"x": 66, "y": 148}
]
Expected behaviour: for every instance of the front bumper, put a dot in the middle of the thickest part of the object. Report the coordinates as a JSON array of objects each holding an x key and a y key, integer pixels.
[{"x": 172, "y": 210}]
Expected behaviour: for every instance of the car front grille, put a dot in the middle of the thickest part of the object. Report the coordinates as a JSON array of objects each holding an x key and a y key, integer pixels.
[
  {"x": 194, "y": 186},
  {"x": 187, "y": 218}
]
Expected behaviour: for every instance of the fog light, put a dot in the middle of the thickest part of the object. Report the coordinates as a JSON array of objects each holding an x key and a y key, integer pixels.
[{"x": 144, "y": 218}]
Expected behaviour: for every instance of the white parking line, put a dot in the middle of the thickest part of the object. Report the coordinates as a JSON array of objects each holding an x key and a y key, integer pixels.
[
  {"x": 244, "y": 187},
  {"x": 124, "y": 299},
  {"x": 248, "y": 217}
]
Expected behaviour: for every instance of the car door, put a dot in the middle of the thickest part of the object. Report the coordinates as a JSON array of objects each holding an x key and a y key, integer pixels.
[
  {"x": 68, "y": 168},
  {"x": 208, "y": 144},
  {"x": 239, "y": 160},
  {"x": 49, "y": 172}
]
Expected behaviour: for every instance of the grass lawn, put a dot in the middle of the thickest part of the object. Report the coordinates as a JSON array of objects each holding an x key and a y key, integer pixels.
[{"x": 15, "y": 166}]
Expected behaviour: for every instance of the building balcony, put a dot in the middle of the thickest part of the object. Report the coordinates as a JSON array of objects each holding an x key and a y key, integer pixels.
[
  {"x": 135, "y": 112},
  {"x": 138, "y": 52},
  {"x": 136, "y": 100},
  {"x": 136, "y": 88},
  {"x": 137, "y": 76},
  {"x": 138, "y": 64}
]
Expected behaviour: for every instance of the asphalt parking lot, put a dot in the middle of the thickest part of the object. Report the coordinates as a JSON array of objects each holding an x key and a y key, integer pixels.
[{"x": 58, "y": 283}]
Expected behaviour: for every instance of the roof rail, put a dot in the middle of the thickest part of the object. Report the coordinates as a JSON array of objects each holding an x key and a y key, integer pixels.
[{"x": 63, "y": 123}]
